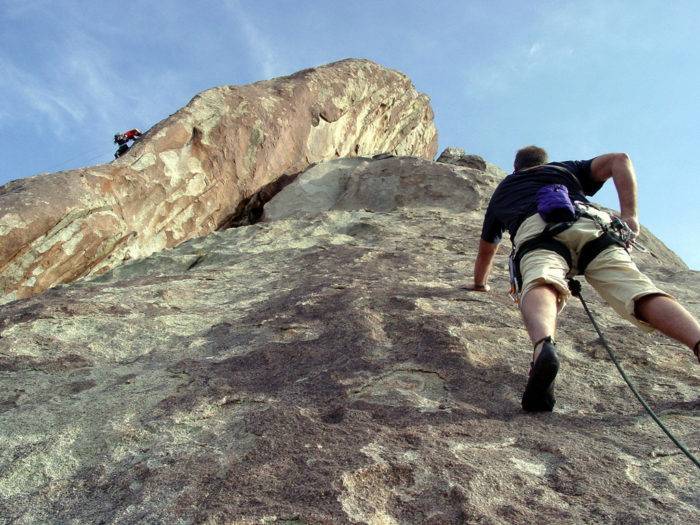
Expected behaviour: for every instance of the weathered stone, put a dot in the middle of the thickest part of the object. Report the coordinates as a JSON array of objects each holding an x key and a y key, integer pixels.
[
  {"x": 328, "y": 368},
  {"x": 381, "y": 185},
  {"x": 457, "y": 157},
  {"x": 317, "y": 189},
  {"x": 188, "y": 174}
]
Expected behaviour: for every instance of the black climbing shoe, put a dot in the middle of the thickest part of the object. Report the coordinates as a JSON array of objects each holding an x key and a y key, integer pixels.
[{"x": 539, "y": 392}]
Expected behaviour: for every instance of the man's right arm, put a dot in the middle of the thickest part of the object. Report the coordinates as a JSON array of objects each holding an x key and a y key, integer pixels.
[
  {"x": 491, "y": 232},
  {"x": 482, "y": 265},
  {"x": 618, "y": 166}
]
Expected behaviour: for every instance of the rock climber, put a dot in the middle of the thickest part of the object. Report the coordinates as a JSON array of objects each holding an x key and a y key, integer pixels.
[
  {"x": 122, "y": 140},
  {"x": 556, "y": 233}
]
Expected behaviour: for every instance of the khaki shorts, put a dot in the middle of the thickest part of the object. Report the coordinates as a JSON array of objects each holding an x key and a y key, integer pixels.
[{"x": 612, "y": 273}]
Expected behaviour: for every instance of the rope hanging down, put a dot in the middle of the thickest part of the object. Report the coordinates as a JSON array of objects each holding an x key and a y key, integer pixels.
[
  {"x": 81, "y": 157},
  {"x": 575, "y": 288}
]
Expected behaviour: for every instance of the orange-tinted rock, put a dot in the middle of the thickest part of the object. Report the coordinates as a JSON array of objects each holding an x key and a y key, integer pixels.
[{"x": 187, "y": 175}]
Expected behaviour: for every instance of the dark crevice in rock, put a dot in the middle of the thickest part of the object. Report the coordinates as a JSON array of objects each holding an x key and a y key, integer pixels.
[
  {"x": 249, "y": 211},
  {"x": 194, "y": 263},
  {"x": 382, "y": 156}
]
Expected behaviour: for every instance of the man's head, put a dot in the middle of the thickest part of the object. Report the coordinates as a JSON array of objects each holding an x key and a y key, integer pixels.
[{"x": 528, "y": 157}]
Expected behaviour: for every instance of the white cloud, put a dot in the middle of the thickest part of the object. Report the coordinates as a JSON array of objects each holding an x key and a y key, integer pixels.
[
  {"x": 24, "y": 90},
  {"x": 259, "y": 46},
  {"x": 77, "y": 82},
  {"x": 552, "y": 49},
  {"x": 509, "y": 70},
  {"x": 535, "y": 49},
  {"x": 560, "y": 35}
]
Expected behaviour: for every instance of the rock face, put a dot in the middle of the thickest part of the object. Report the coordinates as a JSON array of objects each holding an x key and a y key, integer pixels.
[
  {"x": 188, "y": 174},
  {"x": 380, "y": 186},
  {"x": 324, "y": 366}
]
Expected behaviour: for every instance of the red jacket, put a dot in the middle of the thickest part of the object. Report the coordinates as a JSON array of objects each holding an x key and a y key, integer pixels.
[{"x": 131, "y": 134}]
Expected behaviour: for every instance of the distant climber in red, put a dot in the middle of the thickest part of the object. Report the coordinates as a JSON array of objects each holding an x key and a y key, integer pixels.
[{"x": 122, "y": 140}]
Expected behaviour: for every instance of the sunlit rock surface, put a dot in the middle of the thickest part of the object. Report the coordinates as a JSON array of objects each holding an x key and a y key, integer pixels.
[
  {"x": 324, "y": 366},
  {"x": 188, "y": 174}
]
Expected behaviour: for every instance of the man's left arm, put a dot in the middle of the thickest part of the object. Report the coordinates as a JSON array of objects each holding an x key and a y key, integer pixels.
[{"x": 619, "y": 168}]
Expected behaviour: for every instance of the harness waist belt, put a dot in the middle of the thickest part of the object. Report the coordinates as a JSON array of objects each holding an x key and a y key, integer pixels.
[
  {"x": 546, "y": 241},
  {"x": 543, "y": 241}
]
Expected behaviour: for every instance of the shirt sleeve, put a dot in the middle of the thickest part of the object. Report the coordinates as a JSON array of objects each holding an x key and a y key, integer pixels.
[
  {"x": 492, "y": 230},
  {"x": 581, "y": 169}
]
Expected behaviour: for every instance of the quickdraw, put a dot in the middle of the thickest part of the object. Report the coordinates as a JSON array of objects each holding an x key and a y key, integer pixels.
[{"x": 626, "y": 235}]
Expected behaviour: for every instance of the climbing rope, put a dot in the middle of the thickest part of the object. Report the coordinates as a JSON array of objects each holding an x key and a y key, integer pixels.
[
  {"x": 81, "y": 158},
  {"x": 575, "y": 288}
]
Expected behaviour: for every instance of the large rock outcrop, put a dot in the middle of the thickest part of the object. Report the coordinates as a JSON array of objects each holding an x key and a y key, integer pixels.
[
  {"x": 188, "y": 174},
  {"x": 325, "y": 366},
  {"x": 458, "y": 157}
]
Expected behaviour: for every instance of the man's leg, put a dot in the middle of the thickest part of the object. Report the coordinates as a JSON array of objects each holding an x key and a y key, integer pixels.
[
  {"x": 669, "y": 317},
  {"x": 539, "y": 310},
  {"x": 543, "y": 296},
  {"x": 618, "y": 280}
]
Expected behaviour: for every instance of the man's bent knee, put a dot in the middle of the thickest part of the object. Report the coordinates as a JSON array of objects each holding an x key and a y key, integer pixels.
[{"x": 543, "y": 286}]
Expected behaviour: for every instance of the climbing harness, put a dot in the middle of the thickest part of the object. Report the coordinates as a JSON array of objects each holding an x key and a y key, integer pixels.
[
  {"x": 575, "y": 287},
  {"x": 544, "y": 241},
  {"x": 616, "y": 232}
]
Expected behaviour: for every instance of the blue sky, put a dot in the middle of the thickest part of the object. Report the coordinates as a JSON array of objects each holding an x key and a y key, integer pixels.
[{"x": 579, "y": 78}]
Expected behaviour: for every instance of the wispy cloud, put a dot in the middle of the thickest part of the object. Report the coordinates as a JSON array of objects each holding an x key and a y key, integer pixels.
[
  {"x": 511, "y": 67},
  {"x": 259, "y": 46},
  {"x": 78, "y": 82},
  {"x": 24, "y": 91},
  {"x": 82, "y": 79},
  {"x": 554, "y": 43}
]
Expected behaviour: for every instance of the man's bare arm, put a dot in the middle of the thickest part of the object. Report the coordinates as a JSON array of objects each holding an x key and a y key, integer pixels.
[
  {"x": 618, "y": 166},
  {"x": 483, "y": 263}
]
